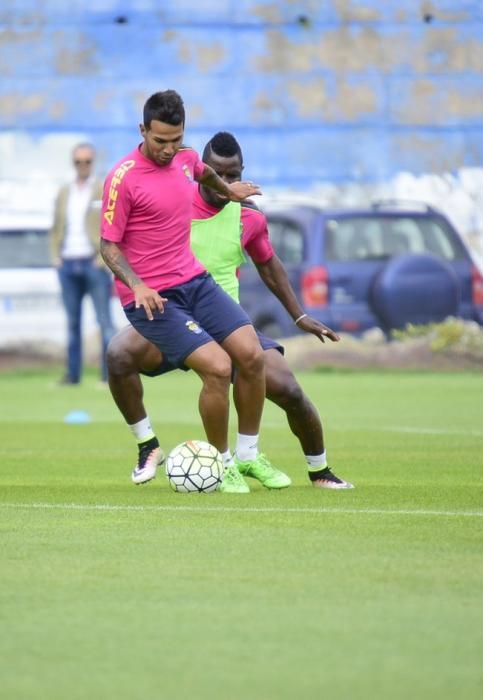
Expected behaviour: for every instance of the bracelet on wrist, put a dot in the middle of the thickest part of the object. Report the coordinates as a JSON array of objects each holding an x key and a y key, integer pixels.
[{"x": 300, "y": 318}]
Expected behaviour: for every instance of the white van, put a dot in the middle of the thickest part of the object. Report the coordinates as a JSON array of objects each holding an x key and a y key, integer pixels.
[{"x": 31, "y": 309}]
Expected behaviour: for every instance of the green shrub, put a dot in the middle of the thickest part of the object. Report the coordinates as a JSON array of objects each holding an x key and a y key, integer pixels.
[{"x": 451, "y": 333}]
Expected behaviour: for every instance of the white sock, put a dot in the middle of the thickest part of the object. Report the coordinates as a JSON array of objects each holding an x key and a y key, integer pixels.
[
  {"x": 227, "y": 458},
  {"x": 316, "y": 462},
  {"x": 246, "y": 447},
  {"x": 142, "y": 430}
]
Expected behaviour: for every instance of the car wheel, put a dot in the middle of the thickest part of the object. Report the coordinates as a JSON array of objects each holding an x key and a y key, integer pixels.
[{"x": 415, "y": 289}]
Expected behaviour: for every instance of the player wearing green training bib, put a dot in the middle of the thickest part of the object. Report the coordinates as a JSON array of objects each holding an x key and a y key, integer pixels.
[{"x": 216, "y": 241}]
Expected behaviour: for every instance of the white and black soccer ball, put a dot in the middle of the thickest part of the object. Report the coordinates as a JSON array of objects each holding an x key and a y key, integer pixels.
[{"x": 194, "y": 466}]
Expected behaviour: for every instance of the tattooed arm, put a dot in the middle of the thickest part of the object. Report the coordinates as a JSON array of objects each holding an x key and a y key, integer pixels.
[
  {"x": 116, "y": 261},
  {"x": 143, "y": 295}
]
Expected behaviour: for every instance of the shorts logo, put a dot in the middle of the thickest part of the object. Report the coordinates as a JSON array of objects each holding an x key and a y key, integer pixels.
[
  {"x": 113, "y": 192},
  {"x": 193, "y": 327},
  {"x": 187, "y": 172}
]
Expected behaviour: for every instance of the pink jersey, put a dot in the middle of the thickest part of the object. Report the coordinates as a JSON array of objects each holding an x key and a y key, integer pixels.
[
  {"x": 146, "y": 210},
  {"x": 254, "y": 239}
]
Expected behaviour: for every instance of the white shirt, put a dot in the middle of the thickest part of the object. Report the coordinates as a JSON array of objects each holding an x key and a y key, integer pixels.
[{"x": 76, "y": 242}]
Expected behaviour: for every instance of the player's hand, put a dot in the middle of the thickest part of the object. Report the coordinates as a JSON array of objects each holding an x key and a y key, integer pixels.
[
  {"x": 149, "y": 299},
  {"x": 310, "y": 325},
  {"x": 241, "y": 190}
]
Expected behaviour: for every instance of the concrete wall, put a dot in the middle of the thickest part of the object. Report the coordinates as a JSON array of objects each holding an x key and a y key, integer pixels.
[{"x": 317, "y": 91}]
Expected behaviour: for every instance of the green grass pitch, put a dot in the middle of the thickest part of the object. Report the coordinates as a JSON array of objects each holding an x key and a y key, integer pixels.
[{"x": 113, "y": 591}]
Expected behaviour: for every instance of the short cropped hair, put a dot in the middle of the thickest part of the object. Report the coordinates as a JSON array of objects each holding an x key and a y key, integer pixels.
[
  {"x": 223, "y": 144},
  {"x": 164, "y": 107},
  {"x": 84, "y": 144}
]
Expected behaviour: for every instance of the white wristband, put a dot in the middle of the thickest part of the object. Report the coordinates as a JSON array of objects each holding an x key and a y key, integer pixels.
[{"x": 300, "y": 318}]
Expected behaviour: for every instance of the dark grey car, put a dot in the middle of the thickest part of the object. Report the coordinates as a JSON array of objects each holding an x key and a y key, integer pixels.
[{"x": 383, "y": 266}]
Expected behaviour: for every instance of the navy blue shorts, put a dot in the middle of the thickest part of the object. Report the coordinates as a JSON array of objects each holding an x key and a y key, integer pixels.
[
  {"x": 166, "y": 366},
  {"x": 196, "y": 313},
  {"x": 269, "y": 344}
]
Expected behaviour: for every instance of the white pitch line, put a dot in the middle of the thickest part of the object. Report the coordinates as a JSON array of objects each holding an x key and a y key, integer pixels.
[
  {"x": 106, "y": 507},
  {"x": 428, "y": 431}
]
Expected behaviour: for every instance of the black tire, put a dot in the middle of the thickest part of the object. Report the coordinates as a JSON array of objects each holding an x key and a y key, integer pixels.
[{"x": 415, "y": 289}]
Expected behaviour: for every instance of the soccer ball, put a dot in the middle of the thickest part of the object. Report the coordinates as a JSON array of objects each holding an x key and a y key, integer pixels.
[{"x": 194, "y": 466}]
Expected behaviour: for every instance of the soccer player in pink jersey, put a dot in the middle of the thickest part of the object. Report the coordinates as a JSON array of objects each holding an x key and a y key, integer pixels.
[
  {"x": 215, "y": 239},
  {"x": 166, "y": 293}
]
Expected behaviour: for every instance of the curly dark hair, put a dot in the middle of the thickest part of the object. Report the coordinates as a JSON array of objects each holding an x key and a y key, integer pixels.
[
  {"x": 164, "y": 107},
  {"x": 223, "y": 144}
]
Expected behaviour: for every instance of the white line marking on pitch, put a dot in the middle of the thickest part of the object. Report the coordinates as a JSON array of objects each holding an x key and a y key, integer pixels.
[
  {"x": 234, "y": 509},
  {"x": 428, "y": 431}
]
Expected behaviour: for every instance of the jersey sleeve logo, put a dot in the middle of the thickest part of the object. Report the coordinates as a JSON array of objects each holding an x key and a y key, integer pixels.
[{"x": 113, "y": 191}]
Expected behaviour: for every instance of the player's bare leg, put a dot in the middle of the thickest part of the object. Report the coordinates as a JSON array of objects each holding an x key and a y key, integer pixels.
[
  {"x": 249, "y": 395},
  {"x": 249, "y": 391},
  {"x": 129, "y": 353},
  {"x": 213, "y": 365},
  {"x": 284, "y": 390},
  {"x": 303, "y": 418}
]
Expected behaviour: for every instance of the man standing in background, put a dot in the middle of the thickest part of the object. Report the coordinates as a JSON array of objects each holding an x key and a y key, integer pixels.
[{"x": 74, "y": 243}]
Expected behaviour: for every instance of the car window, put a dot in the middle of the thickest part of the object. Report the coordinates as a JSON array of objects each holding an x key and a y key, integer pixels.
[
  {"x": 288, "y": 240},
  {"x": 373, "y": 238},
  {"x": 24, "y": 248}
]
